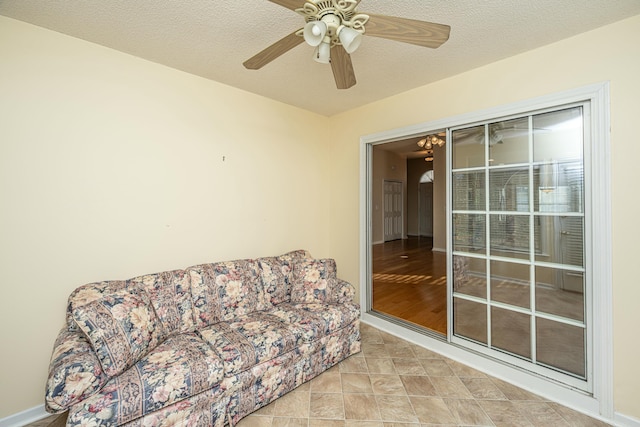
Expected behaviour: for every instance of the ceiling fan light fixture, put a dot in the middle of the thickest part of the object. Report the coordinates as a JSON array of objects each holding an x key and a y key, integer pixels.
[
  {"x": 322, "y": 53},
  {"x": 314, "y": 32},
  {"x": 337, "y": 24},
  {"x": 349, "y": 38}
]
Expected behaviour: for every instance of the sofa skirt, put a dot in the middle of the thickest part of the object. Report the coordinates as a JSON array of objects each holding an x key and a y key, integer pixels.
[
  {"x": 293, "y": 369},
  {"x": 239, "y": 395}
]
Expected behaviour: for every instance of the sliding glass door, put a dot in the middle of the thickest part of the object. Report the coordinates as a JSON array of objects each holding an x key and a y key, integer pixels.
[{"x": 519, "y": 289}]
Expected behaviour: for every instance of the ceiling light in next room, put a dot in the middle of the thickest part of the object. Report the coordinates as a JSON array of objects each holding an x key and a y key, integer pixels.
[{"x": 430, "y": 141}]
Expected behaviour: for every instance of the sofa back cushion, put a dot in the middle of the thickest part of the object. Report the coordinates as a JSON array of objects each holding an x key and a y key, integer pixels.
[
  {"x": 121, "y": 326},
  {"x": 170, "y": 294},
  {"x": 223, "y": 290},
  {"x": 314, "y": 281},
  {"x": 275, "y": 278},
  {"x": 88, "y": 293},
  {"x": 294, "y": 256}
]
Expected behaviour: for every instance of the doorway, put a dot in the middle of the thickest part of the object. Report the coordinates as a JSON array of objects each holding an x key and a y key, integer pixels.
[
  {"x": 567, "y": 251},
  {"x": 409, "y": 278}
]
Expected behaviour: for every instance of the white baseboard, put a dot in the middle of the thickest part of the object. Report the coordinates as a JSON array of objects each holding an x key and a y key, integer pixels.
[
  {"x": 625, "y": 420},
  {"x": 438, "y": 250},
  {"x": 25, "y": 417}
]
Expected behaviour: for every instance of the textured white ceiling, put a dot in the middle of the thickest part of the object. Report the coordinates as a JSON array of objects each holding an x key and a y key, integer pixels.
[{"x": 213, "y": 38}]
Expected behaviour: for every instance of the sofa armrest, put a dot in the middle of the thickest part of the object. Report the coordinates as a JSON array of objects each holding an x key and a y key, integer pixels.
[
  {"x": 345, "y": 292},
  {"x": 74, "y": 372}
]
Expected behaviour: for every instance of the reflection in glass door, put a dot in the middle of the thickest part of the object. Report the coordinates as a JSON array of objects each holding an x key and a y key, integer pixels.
[{"x": 518, "y": 240}]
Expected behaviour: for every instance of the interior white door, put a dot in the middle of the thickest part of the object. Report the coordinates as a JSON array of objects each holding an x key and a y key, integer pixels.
[{"x": 393, "y": 210}]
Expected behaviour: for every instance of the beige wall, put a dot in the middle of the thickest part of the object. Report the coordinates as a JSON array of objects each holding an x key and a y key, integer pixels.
[
  {"x": 610, "y": 53},
  {"x": 111, "y": 166}
]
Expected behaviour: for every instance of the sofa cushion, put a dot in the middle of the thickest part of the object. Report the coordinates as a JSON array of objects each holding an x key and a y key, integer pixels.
[
  {"x": 121, "y": 327},
  {"x": 179, "y": 368},
  {"x": 345, "y": 292},
  {"x": 275, "y": 278},
  {"x": 88, "y": 293},
  {"x": 250, "y": 339},
  {"x": 170, "y": 294},
  {"x": 295, "y": 256},
  {"x": 223, "y": 291},
  {"x": 314, "y": 281},
  {"x": 310, "y": 322},
  {"x": 74, "y": 372}
]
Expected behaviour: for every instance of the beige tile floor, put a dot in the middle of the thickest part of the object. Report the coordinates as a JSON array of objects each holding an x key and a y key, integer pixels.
[{"x": 393, "y": 383}]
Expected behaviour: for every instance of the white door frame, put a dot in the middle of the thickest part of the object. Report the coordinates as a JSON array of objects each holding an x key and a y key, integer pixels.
[{"x": 600, "y": 404}]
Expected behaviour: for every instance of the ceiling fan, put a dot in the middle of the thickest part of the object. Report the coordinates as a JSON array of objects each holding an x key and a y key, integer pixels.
[{"x": 335, "y": 29}]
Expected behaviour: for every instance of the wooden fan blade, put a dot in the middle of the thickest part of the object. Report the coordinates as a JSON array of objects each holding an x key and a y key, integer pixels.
[
  {"x": 405, "y": 30},
  {"x": 280, "y": 47},
  {"x": 342, "y": 68},
  {"x": 289, "y": 4}
]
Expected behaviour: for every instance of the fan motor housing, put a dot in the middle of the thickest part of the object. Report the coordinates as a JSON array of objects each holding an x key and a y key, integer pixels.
[{"x": 333, "y": 22}]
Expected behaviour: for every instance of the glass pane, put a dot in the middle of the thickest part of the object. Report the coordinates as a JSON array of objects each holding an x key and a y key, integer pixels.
[
  {"x": 468, "y": 191},
  {"x": 509, "y": 190},
  {"x": 559, "y": 187},
  {"x": 558, "y": 135},
  {"x": 511, "y": 331},
  {"x": 518, "y": 191},
  {"x": 509, "y": 142},
  {"x": 470, "y": 320},
  {"x": 510, "y": 283},
  {"x": 561, "y": 346},
  {"x": 468, "y": 147},
  {"x": 510, "y": 236},
  {"x": 470, "y": 276},
  {"x": 560, "y": 292},
  {"x": 469, "y": 234},
  {"x": 561, "y": 239}
]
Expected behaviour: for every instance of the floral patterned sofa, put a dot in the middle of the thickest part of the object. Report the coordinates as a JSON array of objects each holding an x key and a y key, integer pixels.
[{"x": 204, "y": 346}]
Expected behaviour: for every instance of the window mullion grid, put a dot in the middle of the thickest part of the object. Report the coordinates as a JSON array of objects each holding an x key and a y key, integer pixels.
[{"x": 531, "y": 261}]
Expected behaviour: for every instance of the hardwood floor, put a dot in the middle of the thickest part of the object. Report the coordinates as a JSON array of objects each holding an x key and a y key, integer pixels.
[{"x": 410, "y": 283}]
